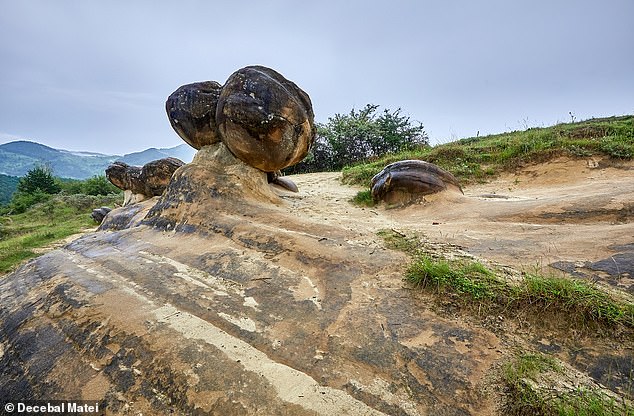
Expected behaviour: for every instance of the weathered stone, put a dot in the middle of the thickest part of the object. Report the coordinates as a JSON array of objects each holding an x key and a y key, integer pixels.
[
  {"x": 191, "y": 110},
  {"x": 125, "y": 177},
  {"x": 157, "y": 173},
  {"x": 98, "y": 214},
  {"x": 407, "y": 180},
  {"x": 140, "y": 183},
  {"x": 265, "y": 120},
  {"x": 276, "y": 178}
]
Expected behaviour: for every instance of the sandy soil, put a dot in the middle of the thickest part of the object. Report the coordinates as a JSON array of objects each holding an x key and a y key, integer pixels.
[{"x": 575, "y": 211}]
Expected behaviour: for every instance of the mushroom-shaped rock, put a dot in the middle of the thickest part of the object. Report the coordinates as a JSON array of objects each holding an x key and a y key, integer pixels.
[
  {"x": 408, "y": 180},
  {"x": 140, "y": 183},
  {"x": 98, "y": 214},
  {"x": 191, "y": 110},
  {"x": 264, "y": 119}
]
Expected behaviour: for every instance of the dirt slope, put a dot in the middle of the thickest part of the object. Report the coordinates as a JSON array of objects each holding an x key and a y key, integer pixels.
[
  {"x": 222, "y": 305},
  {"x": 569, "y": 212}
]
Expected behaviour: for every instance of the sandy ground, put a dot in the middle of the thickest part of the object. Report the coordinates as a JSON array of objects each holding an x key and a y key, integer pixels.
[{"x": 575, "y": 211}]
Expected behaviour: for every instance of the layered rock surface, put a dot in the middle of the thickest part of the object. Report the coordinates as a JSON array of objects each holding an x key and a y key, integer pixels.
[
  {"x": 248, "y": 303},
  {"x": 221, "y": 301}
]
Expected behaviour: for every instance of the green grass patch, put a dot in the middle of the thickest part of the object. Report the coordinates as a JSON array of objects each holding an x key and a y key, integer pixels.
[
  {"x": 473, "y": 283},
  {"x": 364, "y": 199},
  {"x": 477, "y": 159},
  {"x": 529, "y": 391},
  {"x": 463, "y": 278},
  {"x": 45, "y": 223}
]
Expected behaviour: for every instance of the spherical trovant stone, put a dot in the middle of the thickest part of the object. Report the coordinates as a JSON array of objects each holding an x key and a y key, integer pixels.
[
  {"x": 264, "y": 119},
  {"x": 191, "y": 110}
]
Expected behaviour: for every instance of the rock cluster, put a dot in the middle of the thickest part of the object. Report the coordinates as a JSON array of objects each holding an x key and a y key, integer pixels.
[
  {"x": 264, "y": 119},
  {"x": 140, "y": 183},
  {"x": 406, "y": 181}
]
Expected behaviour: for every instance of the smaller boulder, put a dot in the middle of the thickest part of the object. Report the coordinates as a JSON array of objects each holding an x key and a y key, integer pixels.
[
  {"x": 276, "y": 178},
  {"x": 406, "y": 181},
  {"x": 140, "y": 183},
  {"x": 98, "y": 214},
  {"x": 191, "y": 110}
]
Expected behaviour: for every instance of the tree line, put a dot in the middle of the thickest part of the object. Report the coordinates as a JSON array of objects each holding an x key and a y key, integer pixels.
[{"x": 39, "y": 184}]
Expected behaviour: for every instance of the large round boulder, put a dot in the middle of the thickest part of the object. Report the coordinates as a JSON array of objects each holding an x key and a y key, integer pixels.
[
  {"x": 191, "y": 110},
  {"x": 264, "y": 119}
]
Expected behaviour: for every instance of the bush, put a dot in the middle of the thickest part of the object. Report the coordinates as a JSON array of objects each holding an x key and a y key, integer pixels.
[
  {"x": 99, "y": 185},
  {"x": 22, "y": 201},
  {"x": 358, "y": 136}
]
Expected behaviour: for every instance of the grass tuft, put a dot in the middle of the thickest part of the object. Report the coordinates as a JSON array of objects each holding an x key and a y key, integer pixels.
[
  {"x": 364, "y": 199},
  {"x": 530, "y": 391},
  {"x": 472, "y": 282}
]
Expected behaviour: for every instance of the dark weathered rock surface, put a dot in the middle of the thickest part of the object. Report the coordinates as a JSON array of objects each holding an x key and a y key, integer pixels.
[
  {"x": 98, "y": 214},
  {"x": 140, "y": 183},
  {"x": 409, "y": 180},
  {"x": 265, "y": 120},
  {"x": 157, "y": 174},
  {"x": 243, "y": 310},
  {"x": 191, "y": 110},
  {"x": 125, "y": 177}
]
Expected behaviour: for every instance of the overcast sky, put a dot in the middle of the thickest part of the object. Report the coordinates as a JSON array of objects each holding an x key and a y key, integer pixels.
[{"x": 94, "y": 75}]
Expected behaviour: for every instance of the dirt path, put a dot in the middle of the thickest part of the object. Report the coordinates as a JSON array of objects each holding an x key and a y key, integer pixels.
[{"x": 568, "y": 213}]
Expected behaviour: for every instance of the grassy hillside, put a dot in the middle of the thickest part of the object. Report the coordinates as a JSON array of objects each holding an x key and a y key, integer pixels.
[
  {"x": 44, "y": 223},
  {"x": 8, "y": 185},
  {"x": 478, "y": 158}
]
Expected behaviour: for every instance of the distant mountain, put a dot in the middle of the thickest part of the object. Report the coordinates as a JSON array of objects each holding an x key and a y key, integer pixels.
[
  {"x": 17, "y": 158},
  {"x": 183, "y": 152}
]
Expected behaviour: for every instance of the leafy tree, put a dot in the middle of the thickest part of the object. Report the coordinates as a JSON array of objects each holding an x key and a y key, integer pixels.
[
  {"x": 39, "y": 178},
  {"x": 361, "y": 135}
]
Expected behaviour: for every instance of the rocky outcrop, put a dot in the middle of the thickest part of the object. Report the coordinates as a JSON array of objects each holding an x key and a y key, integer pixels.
[
  {"x": 407, "y": 181},
  {"x": 140, "y": 183}
]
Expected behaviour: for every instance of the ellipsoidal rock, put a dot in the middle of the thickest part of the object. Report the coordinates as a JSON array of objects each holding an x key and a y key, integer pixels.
[
  {"x": 408, "y": 180},
  {"x": 140, "y": 183},
  {"x": 191, "y": 110},
  {"x": 157, "y": 173},
  {"x": 264, "y": 119}
]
